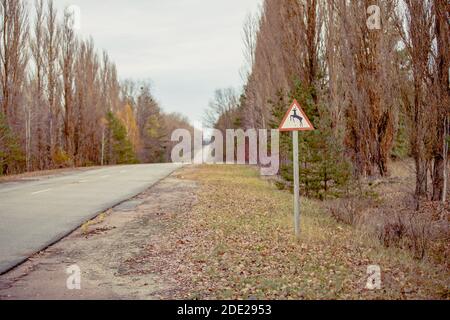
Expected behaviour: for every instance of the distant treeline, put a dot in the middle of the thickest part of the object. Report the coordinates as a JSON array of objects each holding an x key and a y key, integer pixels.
[
  {"x": 372, "y": 93},
  {"x": 61, "y": 103}
]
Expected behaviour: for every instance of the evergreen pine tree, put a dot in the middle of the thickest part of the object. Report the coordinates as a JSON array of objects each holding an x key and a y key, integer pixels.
[
  {"x": 122, "y": 148},
  {"x": 11, "y": 155},
  {"x": 323, "y": 167}
]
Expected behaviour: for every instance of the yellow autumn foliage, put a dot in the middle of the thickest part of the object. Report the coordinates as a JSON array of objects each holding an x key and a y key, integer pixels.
[{"x": 126, "y": 115}]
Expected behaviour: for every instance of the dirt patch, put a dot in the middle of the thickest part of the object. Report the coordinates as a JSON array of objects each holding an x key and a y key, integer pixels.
[{"x": 107, "y": 250}]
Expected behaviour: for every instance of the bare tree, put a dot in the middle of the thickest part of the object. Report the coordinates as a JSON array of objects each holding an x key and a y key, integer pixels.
[
  {"x": 13, "y": 53},
  {"x": 249, "y": 37},
  {"x": 368, "y": 66},
  {"x": 425, "y": 33},
  {"x": 441, "y": 89},
  {"x": 37, "y": 50},
  {"x": 67, "y": 60},
  {"x": 55, "y": 109},
  {"x": 14, "y": 56},
  {"x": 88, "y": 97},
  {"x": 222, "y": 107},
  {"x": 52, "y": 51}
]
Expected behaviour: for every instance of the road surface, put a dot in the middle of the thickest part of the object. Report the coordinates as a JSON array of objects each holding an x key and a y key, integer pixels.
[{"x": 35, "y": 214}]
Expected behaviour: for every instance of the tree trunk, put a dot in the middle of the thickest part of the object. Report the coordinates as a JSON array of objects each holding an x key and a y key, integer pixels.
[
  {"x": 421, "y": 178},
  {"x": 438, "y": 178},
  {"x": 446, "y": 135}
]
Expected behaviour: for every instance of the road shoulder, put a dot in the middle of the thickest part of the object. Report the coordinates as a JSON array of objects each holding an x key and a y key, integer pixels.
[{"x": 107, "y": 251}]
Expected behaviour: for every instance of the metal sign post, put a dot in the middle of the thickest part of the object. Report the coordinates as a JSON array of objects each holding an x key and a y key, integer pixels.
[
  {"x": 296, "y": 185},
  {"x": 296, "y": 120}
]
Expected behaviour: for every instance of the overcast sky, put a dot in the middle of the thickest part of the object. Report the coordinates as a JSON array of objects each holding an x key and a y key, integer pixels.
[{"x": 188, "y": 48}]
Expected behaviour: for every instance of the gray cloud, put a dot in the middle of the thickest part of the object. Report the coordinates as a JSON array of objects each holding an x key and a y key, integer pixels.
[{"x": 188, "y": 48}]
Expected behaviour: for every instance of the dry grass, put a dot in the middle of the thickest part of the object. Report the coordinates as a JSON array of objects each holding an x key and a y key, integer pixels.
[
  {"x": 386, "y": 208},
  {"x": 237, "y": 243}
]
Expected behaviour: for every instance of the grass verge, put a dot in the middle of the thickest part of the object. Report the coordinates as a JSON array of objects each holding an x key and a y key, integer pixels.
[{"x": 238, "y": 243}]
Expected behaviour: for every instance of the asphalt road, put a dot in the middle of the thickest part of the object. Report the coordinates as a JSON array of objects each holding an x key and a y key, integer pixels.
[{"x": 35, "y": 214}]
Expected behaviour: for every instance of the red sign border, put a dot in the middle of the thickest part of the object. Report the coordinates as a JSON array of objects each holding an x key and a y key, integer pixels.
[{"x": 295, "y": 103}]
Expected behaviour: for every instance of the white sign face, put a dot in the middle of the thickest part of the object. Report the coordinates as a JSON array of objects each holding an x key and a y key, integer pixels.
[{"x": 296, "y": 119}]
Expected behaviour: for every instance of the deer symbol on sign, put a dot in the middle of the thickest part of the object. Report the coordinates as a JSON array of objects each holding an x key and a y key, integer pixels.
[{"x": 295, "y": 116}]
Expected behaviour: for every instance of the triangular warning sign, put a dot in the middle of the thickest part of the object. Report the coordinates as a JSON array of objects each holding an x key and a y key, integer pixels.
[{"x": 296, "y": 119}]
